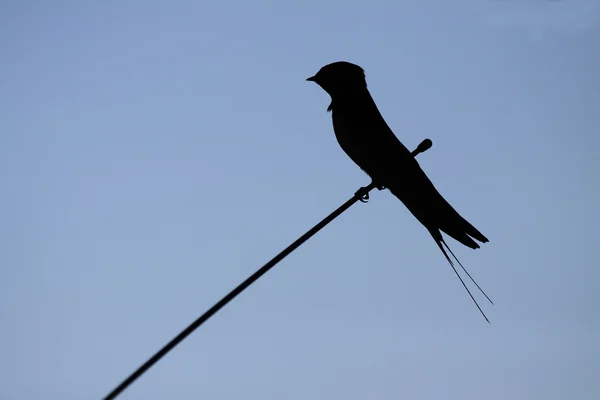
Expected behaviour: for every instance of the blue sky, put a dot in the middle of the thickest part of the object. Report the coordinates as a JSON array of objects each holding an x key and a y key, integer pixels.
[{"x": 154, "y": 154}]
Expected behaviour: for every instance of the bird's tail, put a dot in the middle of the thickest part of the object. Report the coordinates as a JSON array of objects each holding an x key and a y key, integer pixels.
[
  {"x": 458, "y": 228},
  {"x": 439, "y": 240}
]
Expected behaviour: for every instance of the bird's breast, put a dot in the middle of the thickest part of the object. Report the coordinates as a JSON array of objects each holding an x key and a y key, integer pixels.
[
  {"x": 349, "y": 134},
  {"x": 353, "y": 137}
]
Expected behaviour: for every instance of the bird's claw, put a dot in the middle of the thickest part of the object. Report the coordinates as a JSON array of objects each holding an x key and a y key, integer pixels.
[{"x": 362, "y": 194}]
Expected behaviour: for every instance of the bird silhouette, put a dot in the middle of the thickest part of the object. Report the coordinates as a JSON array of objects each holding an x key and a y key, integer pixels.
[{"x": 366, "y": 138}]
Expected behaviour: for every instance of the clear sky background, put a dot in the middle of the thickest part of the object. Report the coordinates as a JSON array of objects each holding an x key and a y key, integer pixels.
[{"x": 154, "y": 154}]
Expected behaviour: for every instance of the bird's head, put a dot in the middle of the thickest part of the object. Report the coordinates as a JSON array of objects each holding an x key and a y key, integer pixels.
[{"x": 340, "y": 77}]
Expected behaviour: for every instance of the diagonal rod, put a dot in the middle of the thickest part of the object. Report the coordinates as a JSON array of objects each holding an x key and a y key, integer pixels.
[{"x": 362, "y": 194}]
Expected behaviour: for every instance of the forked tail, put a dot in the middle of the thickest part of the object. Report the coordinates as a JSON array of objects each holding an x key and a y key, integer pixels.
[{"x": 439, "y": 240}]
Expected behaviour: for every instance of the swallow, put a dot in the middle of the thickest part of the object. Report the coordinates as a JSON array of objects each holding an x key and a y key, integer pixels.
[{"x": 365, "y": 137}]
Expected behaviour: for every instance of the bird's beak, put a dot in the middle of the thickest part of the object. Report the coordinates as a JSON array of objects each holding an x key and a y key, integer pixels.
[{"x": 311, "y": 79}]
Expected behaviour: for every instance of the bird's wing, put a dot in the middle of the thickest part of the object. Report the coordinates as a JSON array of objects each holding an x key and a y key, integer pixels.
[{"x": 402, "y": 174}]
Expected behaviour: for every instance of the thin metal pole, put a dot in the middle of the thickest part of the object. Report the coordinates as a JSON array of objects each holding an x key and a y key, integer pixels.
[{"x": 362, "y": 194}]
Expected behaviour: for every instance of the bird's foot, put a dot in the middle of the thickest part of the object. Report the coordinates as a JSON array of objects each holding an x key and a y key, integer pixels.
[{"x": 362, "y": 194}]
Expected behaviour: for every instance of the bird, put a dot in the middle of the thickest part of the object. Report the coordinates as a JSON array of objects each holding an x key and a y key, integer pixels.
[{"x": 366, "y": 138}]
